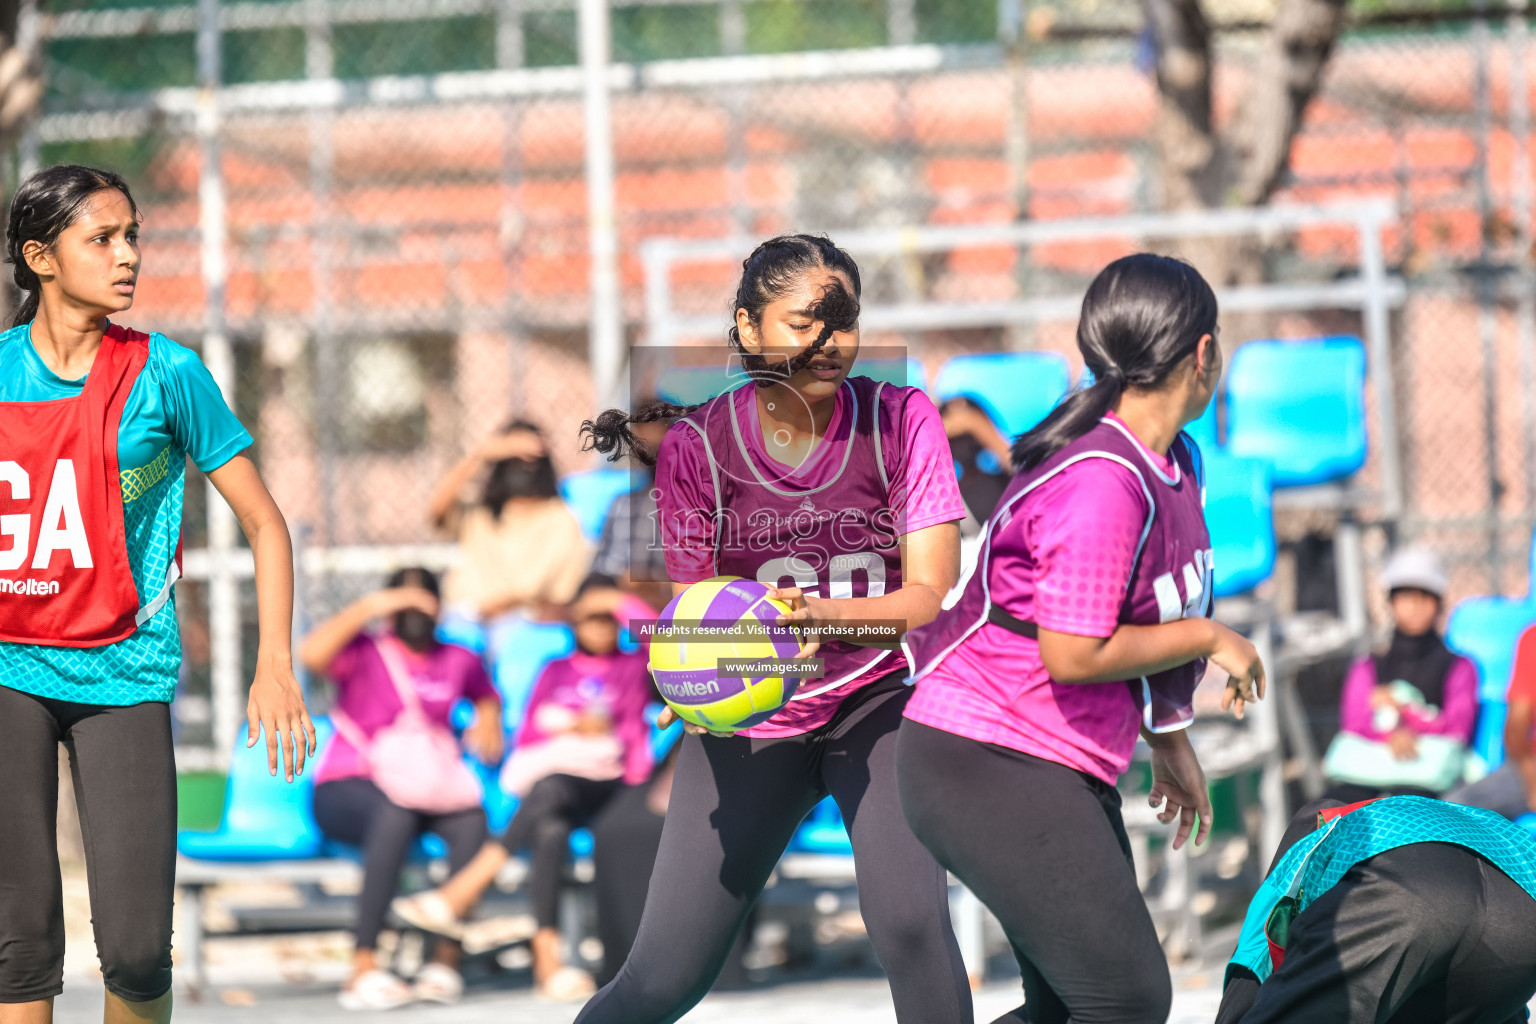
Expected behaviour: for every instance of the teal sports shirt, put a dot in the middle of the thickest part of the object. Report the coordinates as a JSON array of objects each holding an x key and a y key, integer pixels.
[
  {"x": 174, "y": 411},
  {"x": 1319, "y": 860}
]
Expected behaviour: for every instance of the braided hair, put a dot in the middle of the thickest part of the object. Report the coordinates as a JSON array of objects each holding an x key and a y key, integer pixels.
[
  {"x": 44, "y": 205},
  {"x": 770, "y": 272}
]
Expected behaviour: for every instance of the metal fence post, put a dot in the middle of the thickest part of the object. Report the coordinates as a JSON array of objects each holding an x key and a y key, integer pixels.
[
  {"x": 1264, "y": 719},
  {"x": 320, "y": 65},
  {"x": 605, "y": 329},
  {"x": 223, "y": 587},
  {"x": 1520, "y": 202},
  {"x": 900, "y": 22},
  {"x": 1378, "y": 342},
  {"x": 1486, "y": 286},
  {"x": 29, "y": 41},
  {"x": 1012, "y": 32}
]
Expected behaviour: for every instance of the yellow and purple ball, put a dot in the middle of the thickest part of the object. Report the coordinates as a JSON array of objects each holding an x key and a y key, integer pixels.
[{"x": 687, "y": 670}]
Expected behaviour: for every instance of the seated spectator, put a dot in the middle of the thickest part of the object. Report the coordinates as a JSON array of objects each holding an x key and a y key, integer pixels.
[
  {"x": 1510, "y": 789},
  {"x": 351, "y": 807},
  {"x": 629, "y": 548},
  {"x": 584, "y": 737},
  {"x": 983, "y": 460},
  {"x": 1406, "y": 715},
  {"x": 521, "y": 547}
]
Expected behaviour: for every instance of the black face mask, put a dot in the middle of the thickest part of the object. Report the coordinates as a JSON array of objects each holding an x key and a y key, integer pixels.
[
  {"x": 415, "y": 628},
  {"x": 520, "y": 477}
]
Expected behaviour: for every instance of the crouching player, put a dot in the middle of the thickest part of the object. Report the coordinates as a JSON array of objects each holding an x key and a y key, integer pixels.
[{"x": 1401, "y": 910}]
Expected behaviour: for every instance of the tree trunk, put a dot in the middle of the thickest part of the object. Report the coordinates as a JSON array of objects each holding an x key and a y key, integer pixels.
[
  {"x": 1295, "y": 54},
  {"x": 1244, "y": 166},
  {"x": 21, "y": 78},
  {"x": 1186, "y": 138}
]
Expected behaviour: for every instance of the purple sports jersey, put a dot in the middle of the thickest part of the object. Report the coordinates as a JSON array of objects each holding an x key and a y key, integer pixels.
[
  {"x": 1102, "y": 533},
  {"x": 829, "y": 526}
]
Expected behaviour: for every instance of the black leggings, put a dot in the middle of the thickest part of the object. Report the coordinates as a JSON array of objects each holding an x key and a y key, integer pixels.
[
  {"x": 625, "y": 839},
  {"x": 124, "y": 772},
  {"x": 735, "y": 804},
  {"x": 356, "y": 811},
  {"x": 1423, "y": 934},
  {"x": 1044, "y": 848},
  {"x": 555, "y": 806}
]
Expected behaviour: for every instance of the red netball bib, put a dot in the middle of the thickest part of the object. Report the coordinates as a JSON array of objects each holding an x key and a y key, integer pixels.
[{"x": 64, "y": 575}]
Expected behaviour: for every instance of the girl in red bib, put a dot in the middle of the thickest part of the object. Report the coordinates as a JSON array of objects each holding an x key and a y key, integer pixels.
[{"x": 96, "y": 425}]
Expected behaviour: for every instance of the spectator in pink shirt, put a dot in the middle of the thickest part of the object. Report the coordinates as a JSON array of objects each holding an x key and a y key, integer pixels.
[
  {"x": 1415, "y": 702},
  {"x": 584, "y": 738},
  {"x": 350, "y": 806}
]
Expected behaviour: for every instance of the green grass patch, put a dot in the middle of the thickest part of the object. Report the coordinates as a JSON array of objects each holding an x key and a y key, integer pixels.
[{"x": 199, "y": 800}]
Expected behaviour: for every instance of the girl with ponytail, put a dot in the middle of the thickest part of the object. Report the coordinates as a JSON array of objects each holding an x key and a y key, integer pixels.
[
  {"x": 97, "y": 422},
  {"x": 840, "y": 494},
  {"x": 1085, "y": 622}
]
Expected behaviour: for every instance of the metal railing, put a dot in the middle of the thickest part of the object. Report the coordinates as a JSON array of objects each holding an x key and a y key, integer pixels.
[{"x": 1372, "y": 291}]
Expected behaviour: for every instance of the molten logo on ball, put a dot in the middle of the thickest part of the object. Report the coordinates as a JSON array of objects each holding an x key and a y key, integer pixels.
[{"x": 688, "y": 671}]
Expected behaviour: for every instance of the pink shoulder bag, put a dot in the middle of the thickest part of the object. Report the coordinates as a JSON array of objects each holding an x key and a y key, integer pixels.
[{"x": 413, "y": 760}]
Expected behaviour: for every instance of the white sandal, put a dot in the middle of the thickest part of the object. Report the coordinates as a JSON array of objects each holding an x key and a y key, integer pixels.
[
  {"x": 429, "y": 912},
  {"x": 567, "y": 985},
  {"x": 376, "y": 990},
  {"x": 439, "y": 983}
]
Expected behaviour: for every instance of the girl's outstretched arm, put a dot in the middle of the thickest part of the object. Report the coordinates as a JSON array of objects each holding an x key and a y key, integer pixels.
[{"x": 276, "y": 702}]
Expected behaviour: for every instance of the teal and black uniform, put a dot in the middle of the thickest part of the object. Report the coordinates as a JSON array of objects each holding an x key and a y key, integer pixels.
[
  {"x": 174, "y": 412},
  {"x": 107, "y": 704},
  {"x": 1402, "y": 910}
]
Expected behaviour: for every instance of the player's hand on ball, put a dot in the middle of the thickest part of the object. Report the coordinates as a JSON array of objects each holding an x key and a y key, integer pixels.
[
  {"x": 668, "y": 716},
  {"x": 805, "y": 612},
  {"x": 1240, "y": 659}
]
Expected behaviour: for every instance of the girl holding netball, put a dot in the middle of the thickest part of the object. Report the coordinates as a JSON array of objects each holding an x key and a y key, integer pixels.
[
  {"x": 96, "y": 425},
  {"x": 840, "y": 493},
  {"x": 1085, "y": 622}
]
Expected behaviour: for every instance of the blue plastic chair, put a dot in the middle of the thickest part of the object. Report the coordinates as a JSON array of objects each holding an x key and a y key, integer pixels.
[
  {"x": 519, "y": 650},
  {"x": 1239, "y": 514},
  {"x": 1486, "y": 630},
  {"x": 265, "y": 816},
  {"x": 1300, "y": 406},
  {"x": 1203, "y": 430},
  {"x": 1016, "y": 389},
  {"x": 453, "y": 628},
  {"x": 662, "y": 740},
  {"x": 904, "y": 372},
  {"x": 690, "y": 385},
  {"x": 590, "y": 494},
  {"x": 823, "y": 831}
]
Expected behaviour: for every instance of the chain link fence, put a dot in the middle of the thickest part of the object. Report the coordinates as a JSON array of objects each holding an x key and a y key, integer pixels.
[{"x": 405, "y": 213}]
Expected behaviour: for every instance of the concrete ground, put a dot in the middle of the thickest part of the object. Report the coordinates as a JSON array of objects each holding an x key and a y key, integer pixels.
[
  {"x": 848, "y": 1001},
  {"x": 276, "y": 980},
  {"x": 296, "y": 978}
]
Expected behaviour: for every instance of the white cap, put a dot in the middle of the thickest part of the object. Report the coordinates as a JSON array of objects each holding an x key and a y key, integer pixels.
[{"x": 1416, "y": 567}]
